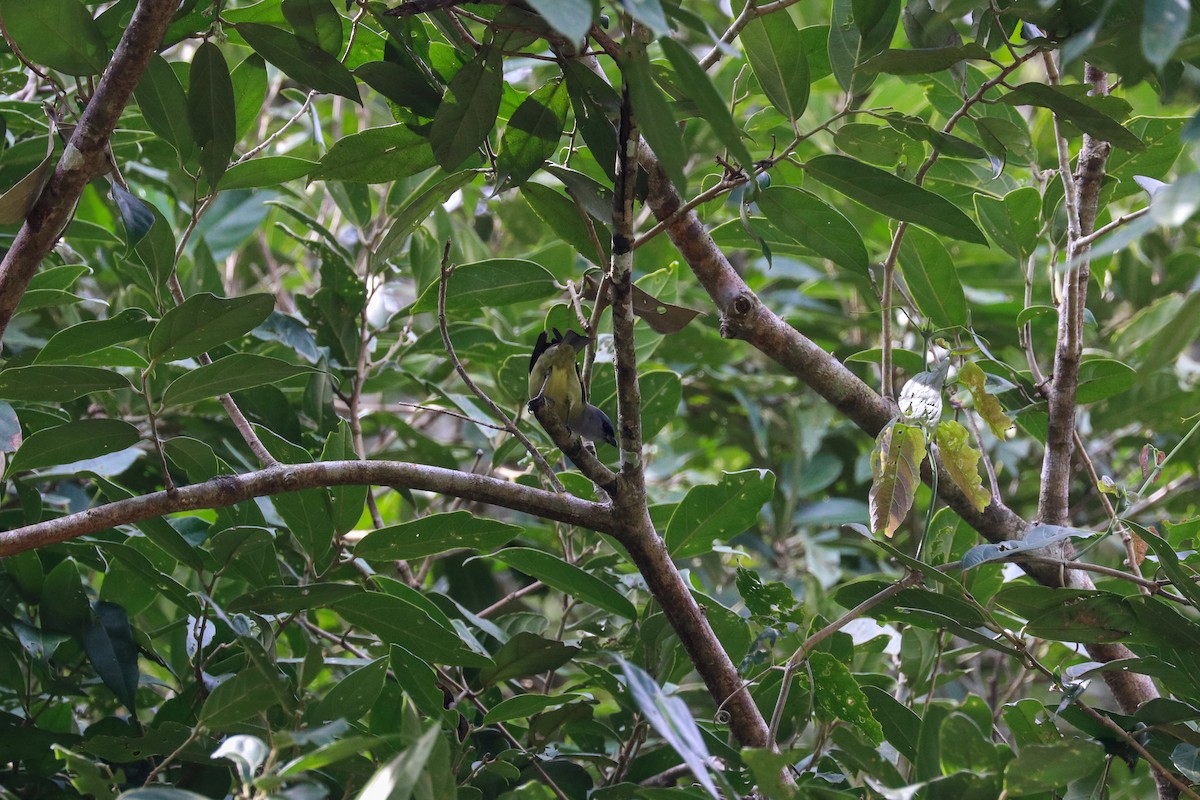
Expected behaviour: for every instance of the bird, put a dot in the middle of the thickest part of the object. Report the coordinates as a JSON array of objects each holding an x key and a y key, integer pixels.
[
  {"x": 921, "y": 398},
  {"x": 554, "y": 378}
]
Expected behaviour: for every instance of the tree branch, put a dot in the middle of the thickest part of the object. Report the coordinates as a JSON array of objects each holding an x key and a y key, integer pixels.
[
  {"x": 84, "y": 157},
  {"x": 226, "y": 490}
]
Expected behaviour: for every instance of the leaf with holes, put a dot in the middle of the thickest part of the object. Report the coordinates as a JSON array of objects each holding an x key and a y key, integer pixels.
[{"x": 896, "y": 470}]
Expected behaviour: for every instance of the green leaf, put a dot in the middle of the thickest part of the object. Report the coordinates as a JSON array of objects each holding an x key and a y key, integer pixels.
[
  {"x": 571, "y": 18},
  {"x": 164, "y": 105},
  {"x": 93, "y": 335},
  {"x": 436, "y": 189},
  {"x": 896, "y": 471},
  {"x": 60, "y": 34},
  {"x": 894, "y": 197},
  {"x": 57, "y": 384},
  {"x": 816, "y": 225},
  {"x": 64, "y": 607},
  {"x": 1170, "y": 563},
  {"x": 419, "y": 682},
  {"x": 1087, "y": 118},
  {"x": 923, "y": 60},
  {"x": 568, "y": 578},
  {"x": 315, "y": 21},
  {"x": 932, "y": 279},
  {"x": 526, "y": 654},
  {"x": 204, "y": 321},
  {"x": 714, "y": 109},
  {"x": 249, "y": 92},
  {"x": 233, "y": 373},
  {"x": 718, "y": 512},
  {"x": 1041, "y": 768},
  {"x": 522, "y": 706},
  {"x": 837, "y": 696},
  {"x": 1164, "y": 25},
  {"x": 402, "y": 84},
  {"x": 655, "y": 119},
  {"x": 775, "y": 51},
  {"x": 110, "y": 647},
  {"x": 649, "y": 13},
  {"x": 239, "y": 697},
  {"x": 212, "y": 110},
  {"x": 266, "y": 171},
  {"x": 277, "y": 600},
  {"x": 963, "y": 747},
  {"x": 961, "y": 460},
  {"x": 435, "y": 534},
  {"x": 20, "y": 197},
  {"x": 468, "y": 110},
  {"x": 532, "y": 134},
  {"x": 376, "y": 155},
  {"x": 1101, "y": 378},
  {"x": 397, "y": 779},
  {"x": 75, "y": 441},
  {"x": 301, "y": 60},
  {"x": 399, "y": 622},
  {"x": 493, "y": 283},
  {"x": 352, "y": 696},
  {"x": 986, "y": 405},
  {"x": 562, "y": 216}
]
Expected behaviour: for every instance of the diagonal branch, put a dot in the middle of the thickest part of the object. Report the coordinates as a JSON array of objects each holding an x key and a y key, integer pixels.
[{"x": 83, "y": 158}]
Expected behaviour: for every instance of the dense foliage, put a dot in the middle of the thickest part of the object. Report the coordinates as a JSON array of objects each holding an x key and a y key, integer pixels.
[{"x": 322, "y": 233}]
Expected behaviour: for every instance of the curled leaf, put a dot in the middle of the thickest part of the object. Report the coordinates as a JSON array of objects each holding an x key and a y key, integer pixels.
[
  {"x": 961, "y": 460},
  {"x": 972, "y": 377},
  {"x": 896, "y": 467}
]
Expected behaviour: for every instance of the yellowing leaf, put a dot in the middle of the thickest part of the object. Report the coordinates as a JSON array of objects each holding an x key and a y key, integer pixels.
[
  {"x": 896, "y": 467},
  {"x": 972, "y": 377},
  {"x": 961, "y": 460}
]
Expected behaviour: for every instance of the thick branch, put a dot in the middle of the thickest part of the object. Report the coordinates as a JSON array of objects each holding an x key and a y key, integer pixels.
[
  {"x": 83, "y": 158},
  {"x": 1054, "y": 497},
  {"x": 225, "y": 490}
]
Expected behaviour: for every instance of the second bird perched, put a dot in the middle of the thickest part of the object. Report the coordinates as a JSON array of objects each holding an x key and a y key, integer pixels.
[{"x": 554, "y": 377}]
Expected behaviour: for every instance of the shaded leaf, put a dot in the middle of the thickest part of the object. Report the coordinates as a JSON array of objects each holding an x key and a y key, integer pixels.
[
  {"x": 558, "y": 574},
  {"x": 490, "y": 283},
  {"x": 300, "y": 59},
  {"x": 1087, "y": 118},
  {"x": 435, "y": 534},
  {"x": 164, "y": 106},
  {"x": 816, "y": 225},
  {"x": 655, "y": 119},
  {"x": 718, "y": 512},
  {"x": 931, "y": 277},
  {"x": 110, "y": 647},
  {"x": 204, "y": 321},
  {"x": 233, "y": 373},
  {"x": 58, "y": 33},
  {"x": 713, "y": 108},
  {"x": 775, "y": 51},
  {"x": 399, "y": 622},
  {"x": 75, "y": 441},
  {"x": 376, "y": 155},
  {"x": 468, "y": 110},
  {"x": 56, "y": 384},
  {"x": 532, "y": 134},
  {"x": 212, "y": 110},
  {"x": 526, "y": 654},
  {"x": 837, "y": 696}
]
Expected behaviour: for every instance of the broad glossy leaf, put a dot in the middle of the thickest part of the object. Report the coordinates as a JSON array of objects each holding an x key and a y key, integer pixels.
[
  {"x": 562, "y": 216},
  {"x": 398, "y": 622},
  {"x": 649, "y": 13},
  {"x": 397, "y": 779},
  {"x": 522, "y": 706},
  {"x": 249, "y": 92},
  {"x": 894, "y": 197},
  {"x": 816, "y": 225},
  {"x": 655, "y": 119},
  {"x": 526, "y": 654},
  {"x": 266, "y": 171},
  {"x": 419, "y": 682},
  {"x": 435, "y": 190},
  {"x": 233, "y": 373},
  {"x": 434, "y": 534},
  {"x": 1087, "y": 118},
  {"x": 352, "y": 696},
  {"x": 64, "y": 607},
  {"x": 301, "y": 60},
  {"x": 57, "y": 384},
  {"x": 290, "y": 599},
  {"x": 923, "y": 60},
  {"x": 110, "y": 647},
  {"x": 315, "y": 21},
  {"x": 492, "y": 283},
  {"x": 468, "y": 110},
  {"x": 402, "y": 84},
  {"x": 212, "y": 110},
  {"x": 93, "y": 335},
  {"x": 713, "y": 108},
  {"x": 16, "y": 202},
  {"x": 1040, "y": 768},
  {"x": 204, "y": 321},
  {"x": 775, "y": 51},
  {"x": 718, "y": 512},
  {"x": 558, "y": 574},
  {"x": 1164, "y": 26},
  {"x": 571, "y": 18},
  {"x": 1101, "y": 378},
  {"x": 376, "y": 155},
  {"x": 837, "y": 696},
  {"x": 932, "y": 279},
  {"x": 239, "y": 697},
  {"x": 164, "y": 105},
  {"x": 60, "y": 34},
  {"x": 896, "y": 471},
  {"x": 75, "y": 441},
  {"x": 532, "y": 134}
]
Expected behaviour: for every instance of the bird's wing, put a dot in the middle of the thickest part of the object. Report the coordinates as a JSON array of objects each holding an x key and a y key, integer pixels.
[{"x": 542, "y": 346}]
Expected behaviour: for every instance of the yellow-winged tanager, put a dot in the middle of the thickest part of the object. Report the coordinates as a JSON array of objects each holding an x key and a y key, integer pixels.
[{"x": 554, "y": 377}]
